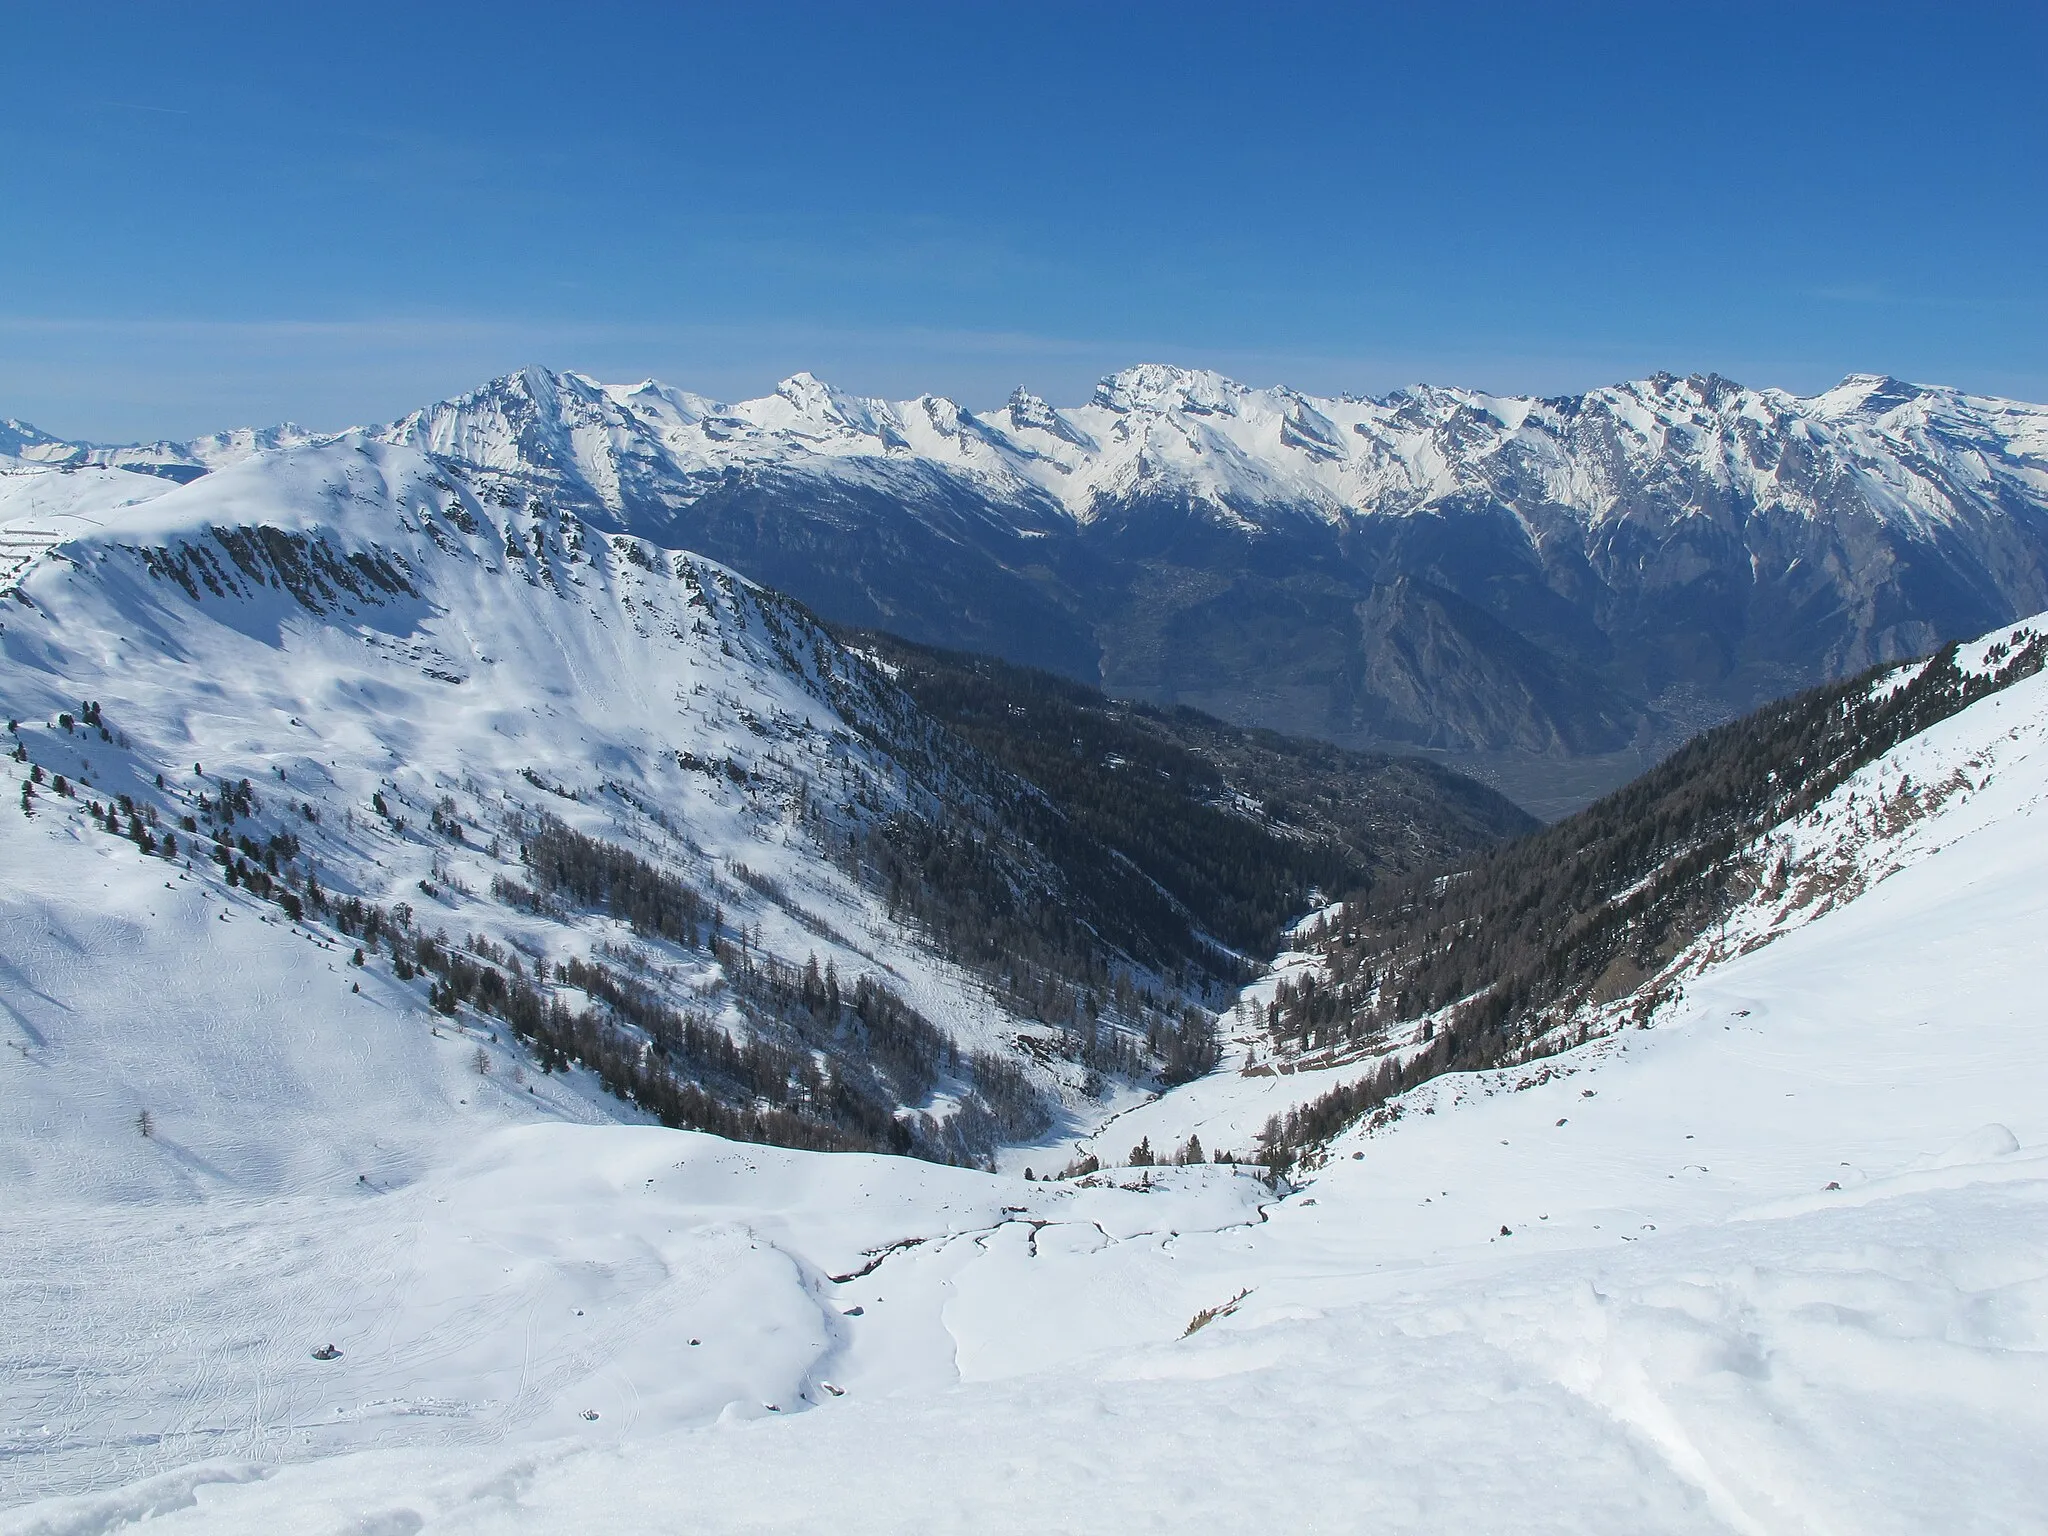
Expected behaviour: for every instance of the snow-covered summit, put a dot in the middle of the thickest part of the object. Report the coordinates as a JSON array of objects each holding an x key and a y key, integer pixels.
[
  {"x": 23, "y": 446},
  {"x": 1901, "y": 451}
]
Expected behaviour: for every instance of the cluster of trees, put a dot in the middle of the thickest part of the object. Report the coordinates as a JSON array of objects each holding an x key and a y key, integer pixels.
[
  {"x": 35, "y": 777},
  {"x": 445, "y": 820},
  {"x": 1179, "y": 825},
  {"x": 1588, "y": 909},
  {"x": 1142, "y": 1155},
  {"x": 1012, "y": 1101},
  {"x": 986, "y": 909},
  {"x": 606, "y": 878},
  {"x": 1052, "y": 914},
  {"x": 141, "y": 822},
  {"x": 262, "y": 867},
  {"x": 141, "y": 819},
  {"x": 1471, "y": 1041},
  {"x": 883, "y": 1053},
  {"x": 88, "y": 715},
  {"x": 1187, "y": 1045},
  {"x": 880, "y": 1046},
  {"x": 232, "y": 798},
  {"x": 678, "y": 1067},
  {"x": 1308, "y": 1012}
]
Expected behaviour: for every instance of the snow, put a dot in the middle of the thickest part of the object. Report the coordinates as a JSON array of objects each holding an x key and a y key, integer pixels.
[
  {"x": 1252, "y": 455},
  {"x": 535, "y": 666},
  {"x": 1977, "y": 770},
  {"x": 40, "y": 508},
  {"x": 1917, "y": 456},
  {"x": 1773, "y": 1263}
]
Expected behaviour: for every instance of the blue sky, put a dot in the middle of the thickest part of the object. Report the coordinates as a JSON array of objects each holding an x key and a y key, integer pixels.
[{"x": 217, "y": 215}]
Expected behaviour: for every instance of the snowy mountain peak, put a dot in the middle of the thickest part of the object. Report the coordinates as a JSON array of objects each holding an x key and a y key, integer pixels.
[
  {"x": 818, "y": 403},
  {"x": 25, "y": 446},
  {"x": 1028, "y": 410},
  {"x": 652, "y": 398},
  {"x": 1164, "y": 387},
  {"x": 1902, "y": 451},
  {"x": 1872, "y": 396},
  {"x": 17, "y": 438},
  {"x": 808, "y": 393}
]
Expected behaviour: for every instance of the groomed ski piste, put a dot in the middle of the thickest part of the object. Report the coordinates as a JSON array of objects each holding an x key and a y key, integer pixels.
[{"x": 1776, "y": 1262}]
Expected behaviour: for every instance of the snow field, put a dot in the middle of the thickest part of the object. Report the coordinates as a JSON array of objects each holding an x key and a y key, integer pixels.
[
  {"x": 1685, "y": 1329},
  {"x": 327, "y": 1165},
  {"x": 1826, "y": 1372}
]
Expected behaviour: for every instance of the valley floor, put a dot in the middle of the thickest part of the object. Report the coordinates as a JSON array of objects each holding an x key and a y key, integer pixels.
[
  {"x": 1549, "y": 788},
  {"x": 1779, "y": 1263}
]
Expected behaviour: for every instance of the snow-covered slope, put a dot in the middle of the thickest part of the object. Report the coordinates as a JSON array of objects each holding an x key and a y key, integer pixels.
[
  {"x": 357, "y": 677},
  {"x": 1771, "y": 1263},
  {"x": 41, "y": 508},
  {"x": 323, "y": 1157}
]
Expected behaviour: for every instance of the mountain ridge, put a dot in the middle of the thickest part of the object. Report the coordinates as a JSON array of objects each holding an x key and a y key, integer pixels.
[
  {"x": 682, "y": 834},
  {"x": 1401, "y": 434},
  {"x": 1553, "y": 579}
]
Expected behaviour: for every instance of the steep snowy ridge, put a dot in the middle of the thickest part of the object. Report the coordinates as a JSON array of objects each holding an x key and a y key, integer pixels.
[
  {"x": 1955, "y": 781},
  {"x": 415, "y": 681},
  {"x": 1597, "y": 924},
  {"x": 1906, "y": 452},
  {"x": 1909, "y": 452}
]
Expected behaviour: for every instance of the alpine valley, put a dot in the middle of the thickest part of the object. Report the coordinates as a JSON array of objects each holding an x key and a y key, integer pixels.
[{"x": 594, "y": 960}]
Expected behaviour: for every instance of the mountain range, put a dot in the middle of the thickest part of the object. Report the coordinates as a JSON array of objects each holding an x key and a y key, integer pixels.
[
  {"x": 645, "y": 815},
  {"x": 1544, "y": 583}
]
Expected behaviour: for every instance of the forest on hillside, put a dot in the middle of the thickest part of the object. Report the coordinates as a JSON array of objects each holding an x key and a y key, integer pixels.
[
  {"x": 1506, "y": 945},
  {"x": 1235, "y": 827}
]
